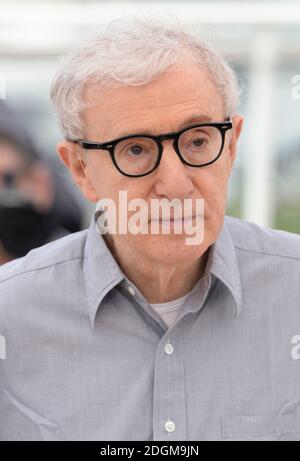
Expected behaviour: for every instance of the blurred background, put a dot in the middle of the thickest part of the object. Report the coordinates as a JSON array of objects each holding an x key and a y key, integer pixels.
[{"x": 260, "y": 39}]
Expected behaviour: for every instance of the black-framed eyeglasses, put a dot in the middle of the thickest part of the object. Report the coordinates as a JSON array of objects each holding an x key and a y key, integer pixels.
[{"x": 197, "y": 145}]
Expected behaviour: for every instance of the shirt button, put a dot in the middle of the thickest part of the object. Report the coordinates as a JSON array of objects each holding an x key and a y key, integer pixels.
[
  {"x": 170, "y": 426},
  {"x": 131, "y": 291},
  {"x": 169, "y": 349}
]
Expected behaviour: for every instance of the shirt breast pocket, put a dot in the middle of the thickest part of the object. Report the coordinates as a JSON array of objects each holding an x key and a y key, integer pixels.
[{"x": 278, "y": 428}]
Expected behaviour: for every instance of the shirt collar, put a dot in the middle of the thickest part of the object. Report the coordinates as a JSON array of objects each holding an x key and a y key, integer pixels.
[
  {"x": 224, "y": 264},
  {"x": 100, "y": 270},
  {"x": 102, "y": 273}
]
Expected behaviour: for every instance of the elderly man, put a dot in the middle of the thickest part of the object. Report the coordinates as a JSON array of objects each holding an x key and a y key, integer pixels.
[{"x": 139, "y": 335}]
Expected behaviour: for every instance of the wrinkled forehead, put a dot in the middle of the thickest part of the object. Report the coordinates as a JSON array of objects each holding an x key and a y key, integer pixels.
[{"x": 163, "y": 104}]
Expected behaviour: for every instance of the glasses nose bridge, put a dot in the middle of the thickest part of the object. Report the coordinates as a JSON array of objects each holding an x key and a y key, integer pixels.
[{"x": 165, "y": 137}]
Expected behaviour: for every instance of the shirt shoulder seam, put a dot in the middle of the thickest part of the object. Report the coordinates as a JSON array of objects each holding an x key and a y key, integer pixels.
[
  {"x": 267, "y": 254},
  {"x": 39, "y": 268}
]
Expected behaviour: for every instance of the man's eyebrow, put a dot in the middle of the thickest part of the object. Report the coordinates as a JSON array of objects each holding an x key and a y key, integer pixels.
[
  {"x": 189, "y": 121},
  {"x": 194, "y": 119}
]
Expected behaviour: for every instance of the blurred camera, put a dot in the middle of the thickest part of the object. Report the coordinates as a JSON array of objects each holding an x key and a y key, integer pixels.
[{"x": 22, "y": 227}]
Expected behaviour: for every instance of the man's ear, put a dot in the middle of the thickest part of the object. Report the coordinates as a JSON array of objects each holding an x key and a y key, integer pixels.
[
  {"x": 237, "y": 125},
  {"x": 70, "y": 157}
]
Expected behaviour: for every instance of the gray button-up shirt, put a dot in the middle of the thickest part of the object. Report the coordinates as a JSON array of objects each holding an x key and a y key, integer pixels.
[{"x": 87, "y": 358}]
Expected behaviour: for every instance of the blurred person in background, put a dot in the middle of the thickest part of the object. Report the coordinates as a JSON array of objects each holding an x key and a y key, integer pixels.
[{"x": 35, "y": 206}]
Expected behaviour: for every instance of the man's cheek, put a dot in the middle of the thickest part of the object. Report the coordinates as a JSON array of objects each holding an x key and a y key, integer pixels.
[{"x": 215, "y": 197}]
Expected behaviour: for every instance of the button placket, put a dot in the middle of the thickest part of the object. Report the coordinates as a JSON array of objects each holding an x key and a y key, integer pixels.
[{"x": 169, "y": 404}]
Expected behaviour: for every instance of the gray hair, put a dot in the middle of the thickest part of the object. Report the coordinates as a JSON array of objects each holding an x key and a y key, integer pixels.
[{"x": 134, "y": 52}]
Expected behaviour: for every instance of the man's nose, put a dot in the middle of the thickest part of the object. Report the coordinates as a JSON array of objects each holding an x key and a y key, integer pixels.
[{"x": 173, "y": 179}]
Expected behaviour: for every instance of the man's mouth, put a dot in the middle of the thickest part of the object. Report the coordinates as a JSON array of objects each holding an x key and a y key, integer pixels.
[{"x": 182, "y": 219}]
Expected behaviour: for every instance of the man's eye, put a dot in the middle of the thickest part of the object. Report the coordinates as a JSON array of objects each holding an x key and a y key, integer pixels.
[
  {"x": 199, "y": 142},
  {"x": 135, "y": 150}
]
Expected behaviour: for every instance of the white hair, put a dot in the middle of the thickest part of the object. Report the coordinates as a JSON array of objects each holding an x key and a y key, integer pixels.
[{"x": 133, "y": 52}]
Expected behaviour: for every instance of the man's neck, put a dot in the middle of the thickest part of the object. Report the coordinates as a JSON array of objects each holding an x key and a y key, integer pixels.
[{"x": 159, "y": 283}]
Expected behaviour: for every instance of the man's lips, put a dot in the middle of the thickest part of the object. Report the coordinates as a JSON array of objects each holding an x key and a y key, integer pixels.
[{"x": 183, "y": 219}]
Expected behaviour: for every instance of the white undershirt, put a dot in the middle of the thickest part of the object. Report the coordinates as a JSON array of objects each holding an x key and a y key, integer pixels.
[{"x": 171, "y": 310}]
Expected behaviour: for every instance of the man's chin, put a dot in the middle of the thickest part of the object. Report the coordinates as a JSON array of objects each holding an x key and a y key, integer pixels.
[{"x": 169, "y": 249}]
